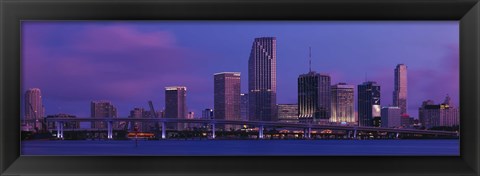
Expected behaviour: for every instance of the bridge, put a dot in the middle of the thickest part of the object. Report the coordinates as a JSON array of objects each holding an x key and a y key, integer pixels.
[{"x": 260, "y": 124}]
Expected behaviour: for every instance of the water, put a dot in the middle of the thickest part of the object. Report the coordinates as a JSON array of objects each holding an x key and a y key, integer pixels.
[{"x": 245, "y": 148}]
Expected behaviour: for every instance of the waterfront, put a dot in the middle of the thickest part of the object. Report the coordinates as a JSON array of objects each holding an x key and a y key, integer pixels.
[{"x": 437, "y": 147}]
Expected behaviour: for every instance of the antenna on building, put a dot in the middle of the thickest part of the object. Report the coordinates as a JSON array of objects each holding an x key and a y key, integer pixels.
[
  {"x": 310, "y": 59},
  {"x": 366, "y": 77}
]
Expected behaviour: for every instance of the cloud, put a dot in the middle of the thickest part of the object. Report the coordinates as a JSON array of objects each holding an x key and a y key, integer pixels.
[{"x": 114, "y": 62}]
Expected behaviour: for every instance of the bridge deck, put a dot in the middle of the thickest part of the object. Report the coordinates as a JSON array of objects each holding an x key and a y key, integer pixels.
[{"x": 254, "y": 123}]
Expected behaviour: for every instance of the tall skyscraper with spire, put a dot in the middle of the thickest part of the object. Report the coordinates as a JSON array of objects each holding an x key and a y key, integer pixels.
[
  {"x": 400, "y": 88},
  {"x": 314, "y": 97},
  {"x": 34, "y": 109},
  {"x": 262, "y": 79}
]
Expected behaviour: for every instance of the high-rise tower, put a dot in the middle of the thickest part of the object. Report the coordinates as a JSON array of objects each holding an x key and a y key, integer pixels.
[
  {"x": 368, "y": 103},
  {"x": 343, "y": 109},
  {"x": 400, "y": 89},
  {"x": 34, "y": 109},
  {"x": 314, "y": 97},
  {"x": 227, "y": 96},
  {"x": 176, "y": 104},
  {"x": 262, "y": 79}
]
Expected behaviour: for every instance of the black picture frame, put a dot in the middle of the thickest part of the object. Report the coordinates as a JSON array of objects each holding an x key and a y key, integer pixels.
[{"x": 14, "y": 11}]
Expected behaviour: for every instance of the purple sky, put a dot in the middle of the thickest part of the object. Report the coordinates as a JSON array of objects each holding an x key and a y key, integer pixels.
[{"x": 130, "y": 63}]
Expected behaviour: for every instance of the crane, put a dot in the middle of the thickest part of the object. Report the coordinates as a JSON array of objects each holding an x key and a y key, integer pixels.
[
  {"x": 152, "y": 110},
  {"x": 153, "y": 114}
]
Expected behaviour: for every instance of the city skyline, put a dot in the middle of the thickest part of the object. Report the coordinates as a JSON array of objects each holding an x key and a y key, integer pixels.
[{"x": 61, "y": 102}]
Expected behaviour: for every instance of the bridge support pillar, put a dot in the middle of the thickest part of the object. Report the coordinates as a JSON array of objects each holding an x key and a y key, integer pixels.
[
  {"x": 309, "y": 133},
  {"x": 355, "y": 134},
  {"x": 260, "y": 132},
  {"x": 213, "y": 130},
  {"x": 109, "y": 130},
  {"x": 164, "y": 129},
  {"x": 60, "y": 130},
  {"x": 396, "y": 136}
]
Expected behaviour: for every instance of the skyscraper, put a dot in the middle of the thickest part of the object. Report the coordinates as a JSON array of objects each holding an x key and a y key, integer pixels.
[
  {"x": 262, "y": 79},
  {"x": 400, "y": 88},
  {"x": 227, "y": 96},
  {"x": 176, "y": 104},
  {"x": 102, "y": 109},
  {"x": 314, "y": 97},
  {"x": 34, "y": 110},
  {"x": 368, "y": 103},
  {"x": 343, "y": 109},
  {"x": 244, "y": 107}
]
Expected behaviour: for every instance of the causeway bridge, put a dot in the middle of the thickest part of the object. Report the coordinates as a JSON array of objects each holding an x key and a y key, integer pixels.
[{"x": 306, "y": 127}]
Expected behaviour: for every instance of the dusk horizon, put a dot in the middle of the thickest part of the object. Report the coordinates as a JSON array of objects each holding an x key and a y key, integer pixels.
[{"x": 130, "y": 63}]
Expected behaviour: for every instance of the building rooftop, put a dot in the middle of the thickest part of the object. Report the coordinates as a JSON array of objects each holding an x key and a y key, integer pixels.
[
  {"x": 175, "y": 87},
  {"x": 234, "y": 73}
]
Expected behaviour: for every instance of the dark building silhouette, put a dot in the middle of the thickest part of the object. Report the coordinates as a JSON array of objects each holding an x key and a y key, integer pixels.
[
  {"x": 314, "y": 98},
  {"x": 369, "y": 108},
  {"x": 176, "y": 105},
  {"x": 66, "y": 125},
  {"x": 244, "y": 107},
  {"x": 207, "y": 114}
]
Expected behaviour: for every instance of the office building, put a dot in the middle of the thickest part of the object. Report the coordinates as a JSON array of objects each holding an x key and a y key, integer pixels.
[
  {"x": 343, "y": 108},
  {"x": 368, "y": 102},
  {"x": 314, "y": 98},
  {"x": 176, "y": 105},
  {"x": 227, "y": 97},
  {"x": 262, "y": 79},
  {"x": 391, "y": 117},
  {"x": 407, "y": 121},
  {"x": 400, "y": 88},
  {"x": 103, "y": 109},
  {"x": 436, "y": 115},
  {"x": 287, "y": 113},
  {"x": 207, "y": 114},
  {"x": 244, "y": 107},
  {"x": 34, "y": 110}
]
